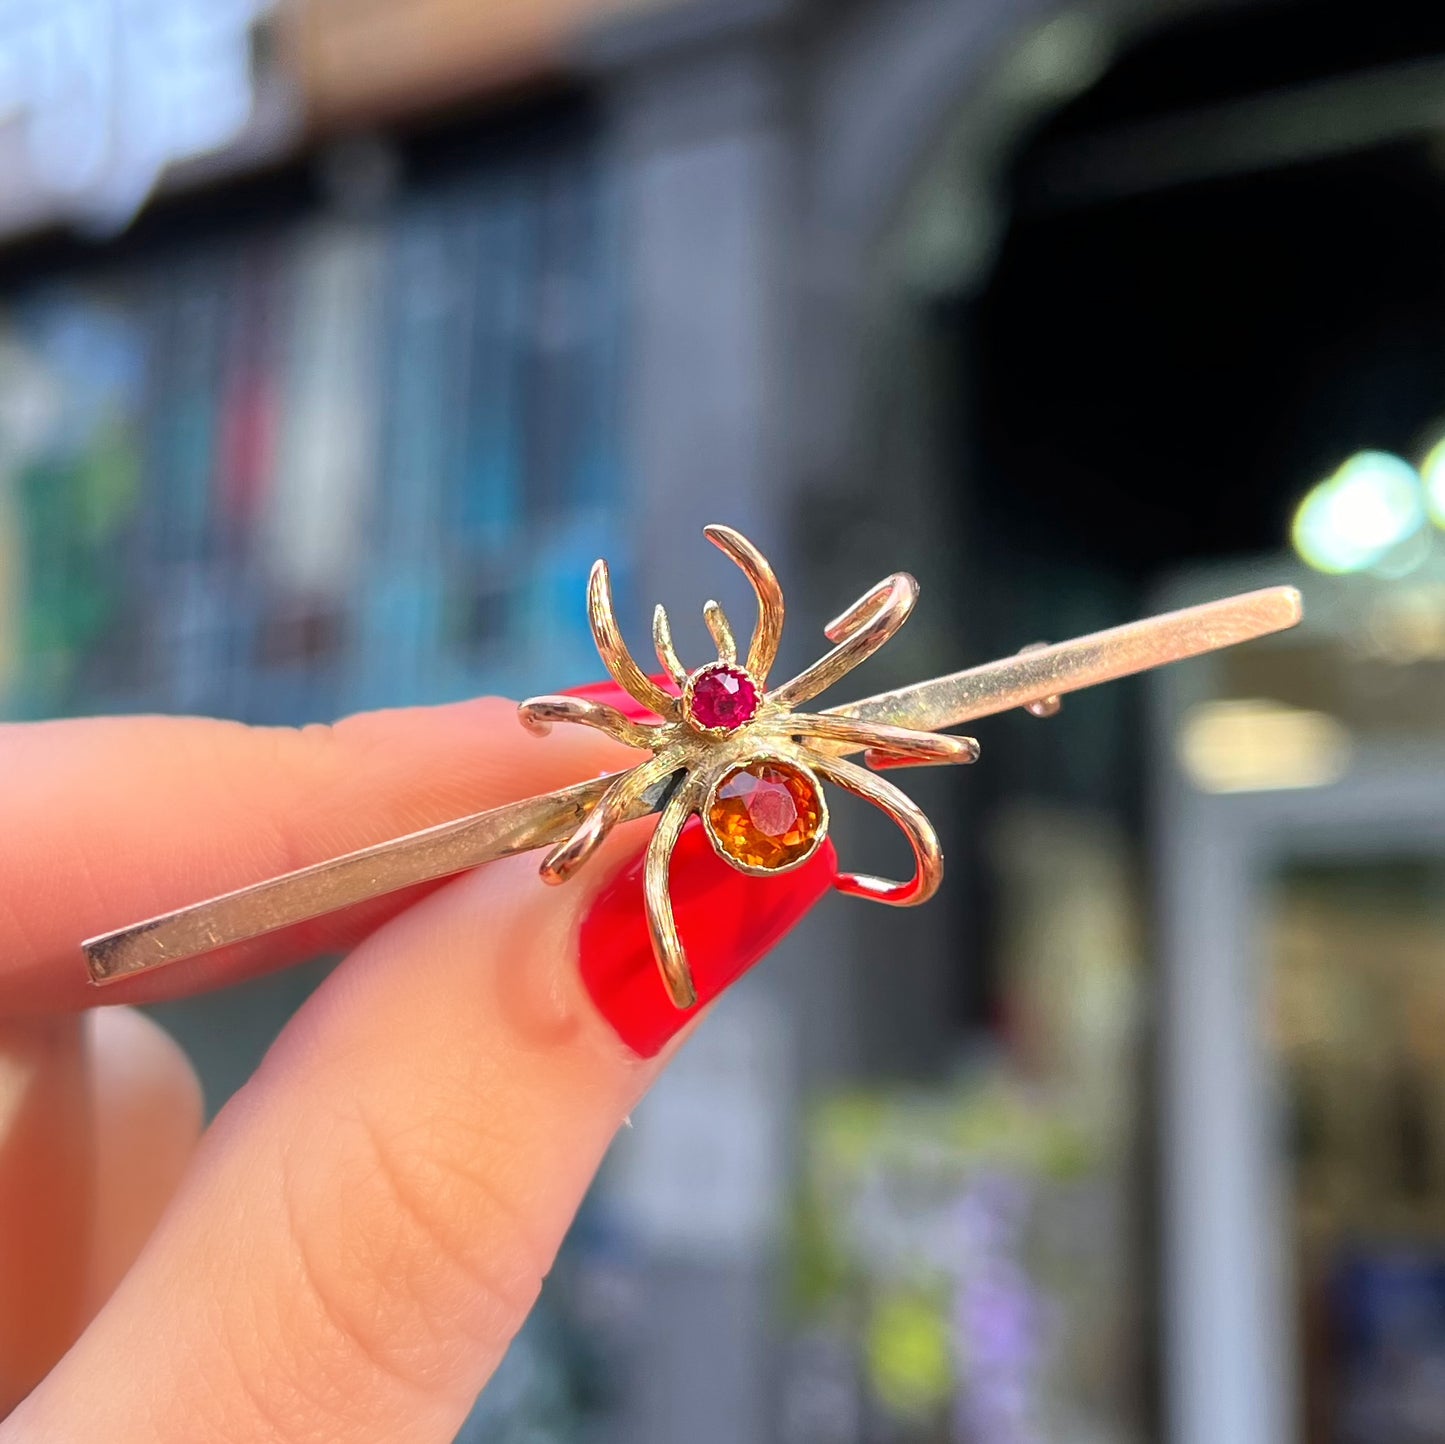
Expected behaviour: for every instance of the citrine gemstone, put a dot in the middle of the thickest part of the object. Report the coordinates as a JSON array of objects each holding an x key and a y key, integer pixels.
[
  {"x": 766, "y": 815},
  {"x": 721, "y": 697}
]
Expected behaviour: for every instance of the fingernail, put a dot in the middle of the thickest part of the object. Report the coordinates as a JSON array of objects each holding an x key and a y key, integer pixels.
[{"x": 728, "y": 920}]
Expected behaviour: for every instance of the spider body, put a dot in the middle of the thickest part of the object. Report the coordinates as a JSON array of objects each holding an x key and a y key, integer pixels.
[{"x": 741, "y": 756}]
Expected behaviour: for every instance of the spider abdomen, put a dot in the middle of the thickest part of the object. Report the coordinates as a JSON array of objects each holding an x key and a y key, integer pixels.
[{"x": 766, "y": 815}]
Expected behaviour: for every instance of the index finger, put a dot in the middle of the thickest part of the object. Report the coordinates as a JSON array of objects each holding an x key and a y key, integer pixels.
[{"x": 108, "y": 820}]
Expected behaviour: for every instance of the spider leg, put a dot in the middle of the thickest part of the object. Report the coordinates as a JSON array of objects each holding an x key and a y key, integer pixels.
[
  {"x": 666, "y": 651},
  {"x": 613, "y": 650},
  {"x": 885, "y": 746},
  {"x": 539, "y": 713},
  {"x": 661, "y": 924},
  {"x": 565, "y": 859},
  {"x": 720, "y": 629},
  {"x": 763, "y": 650},
  {"x": 860, "y": 631},
  {"x": 927, "y": 854}
]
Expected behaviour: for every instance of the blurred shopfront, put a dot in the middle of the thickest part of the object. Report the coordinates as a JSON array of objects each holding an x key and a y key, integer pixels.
[{"x": 336, "y": 340}]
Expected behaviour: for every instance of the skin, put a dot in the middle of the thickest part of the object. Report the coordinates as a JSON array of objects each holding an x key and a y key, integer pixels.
[{"x": 348, "y": 1250}]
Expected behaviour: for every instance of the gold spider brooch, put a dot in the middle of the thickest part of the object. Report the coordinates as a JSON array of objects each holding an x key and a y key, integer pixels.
[{"x": 738, "y": 754}]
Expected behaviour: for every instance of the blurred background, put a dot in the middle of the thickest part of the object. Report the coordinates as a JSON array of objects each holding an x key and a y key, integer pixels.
[{"x": 337, "y": 339}]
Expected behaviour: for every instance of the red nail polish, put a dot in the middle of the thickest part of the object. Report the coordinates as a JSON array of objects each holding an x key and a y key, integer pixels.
[{"x": 727, "y": 920}]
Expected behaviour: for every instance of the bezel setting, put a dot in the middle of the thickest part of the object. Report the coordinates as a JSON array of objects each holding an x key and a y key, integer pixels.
[
  {"x": 746, "y": 764},
  {"x": 701, "y": 677}
]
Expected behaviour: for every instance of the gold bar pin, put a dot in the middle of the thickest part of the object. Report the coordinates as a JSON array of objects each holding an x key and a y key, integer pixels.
[{"x": 723, "y": 722}]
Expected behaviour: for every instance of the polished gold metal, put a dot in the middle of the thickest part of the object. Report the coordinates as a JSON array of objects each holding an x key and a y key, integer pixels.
[
  {"x": 874, "y": 618},
  {"x": 701, "y": 754},
  {"x": 892, "y": 729},
  {"x": 613, "y": 650},
  {"x": 1053, "y": 671},
  {"x": 1045, "y": 706},
  {"x": 763, "y": 650},
  {"x": 662, "y": 642},
  {"x": 721, "y": 632},
  {"x": 325, "y": 887}
]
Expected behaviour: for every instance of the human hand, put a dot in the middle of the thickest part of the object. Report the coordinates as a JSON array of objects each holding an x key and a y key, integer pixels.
[{"x": 352, "y": 1245}]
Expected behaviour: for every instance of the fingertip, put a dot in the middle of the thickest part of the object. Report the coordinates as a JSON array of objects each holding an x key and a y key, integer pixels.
[
  {"x": 239, "y": 805},
  {"x": 138, "y": 1065},
  {"x": 148, "y": 1110}
]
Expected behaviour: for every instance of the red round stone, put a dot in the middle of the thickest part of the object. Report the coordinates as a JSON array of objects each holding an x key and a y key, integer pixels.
[{"x": 721, "y": 697}]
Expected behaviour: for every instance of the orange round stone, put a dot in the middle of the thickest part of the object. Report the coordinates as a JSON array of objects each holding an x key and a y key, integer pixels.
[{"x": 766, "y": 814}]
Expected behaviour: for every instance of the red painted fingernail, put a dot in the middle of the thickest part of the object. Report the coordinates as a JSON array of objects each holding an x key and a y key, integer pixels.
[{"x": 727, "y": 920}]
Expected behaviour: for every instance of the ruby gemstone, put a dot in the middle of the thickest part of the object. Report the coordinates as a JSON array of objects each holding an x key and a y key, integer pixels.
[{"x": 721, "y": 697}]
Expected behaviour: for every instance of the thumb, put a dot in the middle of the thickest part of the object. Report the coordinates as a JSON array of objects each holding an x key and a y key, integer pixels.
[{"x": 368, "y": 1222}]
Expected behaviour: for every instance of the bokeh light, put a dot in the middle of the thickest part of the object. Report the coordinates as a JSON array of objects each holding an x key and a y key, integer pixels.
[
  {"x": 1258, "y": 745},
  {"x": 1432, "y": 474},
  {"x": 1353, "y": 519}
]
